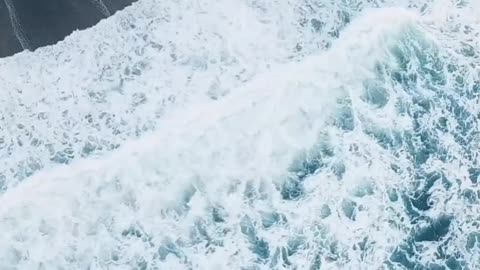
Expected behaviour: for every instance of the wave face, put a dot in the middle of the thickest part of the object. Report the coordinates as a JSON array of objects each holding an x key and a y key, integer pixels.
[{"x": 310, "y": 134}]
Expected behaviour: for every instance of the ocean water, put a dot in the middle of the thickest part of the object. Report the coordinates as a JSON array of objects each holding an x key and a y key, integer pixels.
[{"x": 310, "y": 134}]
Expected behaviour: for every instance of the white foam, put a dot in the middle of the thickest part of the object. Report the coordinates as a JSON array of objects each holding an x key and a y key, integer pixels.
[
  {"x": 149, "y": 204},
  {"x": 102, "y": 86},
  {"x": 249, "y": 137}
]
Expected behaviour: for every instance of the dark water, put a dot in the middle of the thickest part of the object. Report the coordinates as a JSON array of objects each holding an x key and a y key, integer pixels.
[{"x": 45, "y": 22}]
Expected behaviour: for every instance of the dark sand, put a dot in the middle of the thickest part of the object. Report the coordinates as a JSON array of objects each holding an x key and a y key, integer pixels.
[{"x": 45, "y": 22}]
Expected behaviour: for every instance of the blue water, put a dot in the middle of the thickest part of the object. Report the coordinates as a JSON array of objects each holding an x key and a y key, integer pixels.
[{"x": 314, "y": 135}]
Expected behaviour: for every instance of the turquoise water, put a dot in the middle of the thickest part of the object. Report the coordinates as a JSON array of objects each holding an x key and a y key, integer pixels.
[{"x": 314, "y": 135}]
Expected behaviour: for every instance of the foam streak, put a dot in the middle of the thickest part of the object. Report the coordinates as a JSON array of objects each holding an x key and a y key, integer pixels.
[{"x": 17, "y": 27}]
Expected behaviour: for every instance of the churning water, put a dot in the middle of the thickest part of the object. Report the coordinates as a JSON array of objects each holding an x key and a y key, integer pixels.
[{"x": 247, "y": 134}]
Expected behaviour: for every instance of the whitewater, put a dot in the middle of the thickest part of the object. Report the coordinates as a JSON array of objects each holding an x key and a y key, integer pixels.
[{"x": 247, "y": 134}]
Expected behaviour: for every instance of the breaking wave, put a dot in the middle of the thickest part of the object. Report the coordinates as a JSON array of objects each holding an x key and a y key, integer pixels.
[{"x": 247, "y": 135}]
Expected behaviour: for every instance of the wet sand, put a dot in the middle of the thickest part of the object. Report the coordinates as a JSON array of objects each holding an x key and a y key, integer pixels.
[{"x": 45, "y": 22}]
